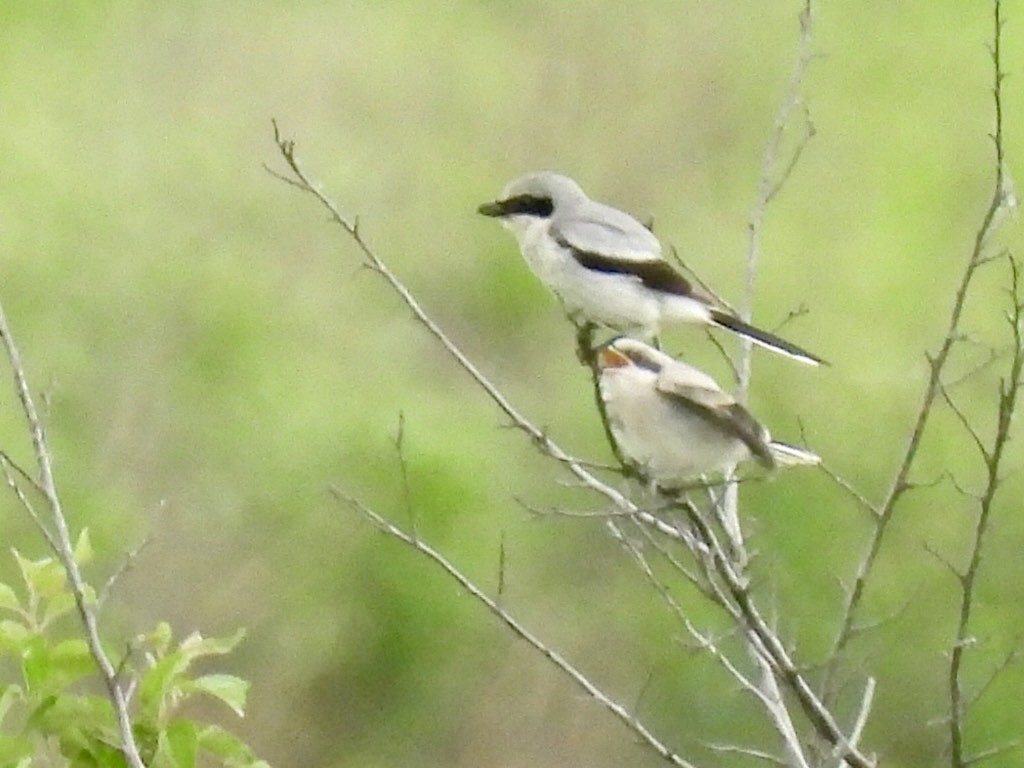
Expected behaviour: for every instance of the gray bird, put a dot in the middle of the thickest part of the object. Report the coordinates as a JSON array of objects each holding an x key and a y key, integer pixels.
[
  {"x": 674, "y": 422},
  {"x": 606, "y": 266}
]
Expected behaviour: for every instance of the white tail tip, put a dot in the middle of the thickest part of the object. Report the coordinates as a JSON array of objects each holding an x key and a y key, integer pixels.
[{"x": 787, "y": 455}]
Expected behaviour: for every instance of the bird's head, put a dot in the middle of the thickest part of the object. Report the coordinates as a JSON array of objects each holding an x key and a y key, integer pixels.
[
  {"x": 533, "y": 197},
  {"x": 624, "y": 352}
]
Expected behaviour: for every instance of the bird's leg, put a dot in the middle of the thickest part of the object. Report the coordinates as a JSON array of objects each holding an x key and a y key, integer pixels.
[{"x": 585, "y": 343}]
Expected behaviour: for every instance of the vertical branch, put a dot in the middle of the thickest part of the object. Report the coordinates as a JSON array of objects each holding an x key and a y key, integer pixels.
[
  {"x": 1001, "y": 198},
  {"x": 1006, "y": 406},
  {"x": 60, "y": 541},
  {"x": 771, "y": 181}
]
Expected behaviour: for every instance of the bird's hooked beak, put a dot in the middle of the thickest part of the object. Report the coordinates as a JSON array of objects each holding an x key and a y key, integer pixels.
[
  {"x": 495, "y": 209},
  {"x": 526, "y": 204}
]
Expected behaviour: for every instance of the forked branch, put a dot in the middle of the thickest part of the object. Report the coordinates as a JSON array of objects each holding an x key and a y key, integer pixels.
[
  {"x": 58, "y": 536},
  {"x": 790, "y": 676},
  {"x": 1001, "y": 200}
]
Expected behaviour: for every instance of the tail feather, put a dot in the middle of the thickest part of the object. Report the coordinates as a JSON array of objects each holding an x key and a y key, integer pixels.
[
  {"x": 787, "y": 455},
  {"x": 764, "y": 338}
]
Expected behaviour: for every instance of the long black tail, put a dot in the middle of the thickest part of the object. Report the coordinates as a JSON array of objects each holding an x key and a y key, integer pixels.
[{"x": 763, "y": 338}]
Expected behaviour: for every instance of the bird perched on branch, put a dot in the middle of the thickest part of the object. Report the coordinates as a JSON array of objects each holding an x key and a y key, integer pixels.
[
  {"x": 606, "y": 266},
  {"x": 674, "y": 422}
]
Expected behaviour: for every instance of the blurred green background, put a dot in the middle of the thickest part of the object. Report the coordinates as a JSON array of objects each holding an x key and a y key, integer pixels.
[{"x": 216, "y": 358}]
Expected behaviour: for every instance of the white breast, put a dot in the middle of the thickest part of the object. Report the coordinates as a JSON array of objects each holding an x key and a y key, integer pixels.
[{"x": 669, "y": 443}]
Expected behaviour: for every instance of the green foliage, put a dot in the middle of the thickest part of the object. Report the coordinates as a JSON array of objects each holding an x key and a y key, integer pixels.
[{"x": 54, "y": 703}]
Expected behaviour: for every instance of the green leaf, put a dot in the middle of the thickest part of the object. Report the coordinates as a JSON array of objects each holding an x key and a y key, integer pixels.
[
  {"x": 57, "y": 607},
  {"x": 159, "y": 639},
  {"x": 177, "y": 747},
  {"x": 229, "y": 748},
  {"x": 230, "y": 689},
  {"x": 36, "y": 666},
  {"x": 50, "y": 670},
  {"x": 8, "y": 599},
  {"x": 196, "y": 646},
  {"x": 83, "y": 548},
  {"x": 88, "y": 750},
  {"x": 82, "y": 722},
  {"x": 13, "y": 636},
  {"x": 73, "y": 661},
  {"x": 11, "y": 694},
  {"x": 158, "y": 683},
  {"x": 16, "y": 750},
  {"x": 166, "y": 678},
  {"x": 44, "y": 578}
]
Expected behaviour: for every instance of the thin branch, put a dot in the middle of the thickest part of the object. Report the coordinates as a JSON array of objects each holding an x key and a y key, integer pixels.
[
  {"x": 988, "y": 754},
  {"x": 123, "y": 567},
  {"x": 862, "y": 501},
  {"x": 772, "y": 181},
  {"x": 805, "y": 138},
  {"x": 8, "y": 459},
  {"x": 994, "y": 356},
  {"x": 763, "y": 644},
  {"x": 773, "y": 649},
  {"x": 63, "y": 548},
  {"x": 9, "y": 470},
  {"x": 574, "y": 674},
  {"x": 865, "y": 709},
  {"x": 1011, "y": 658},
  {"x": 979, "y": 443},
  {"x": 1001, "y": 199},
  {"x": 701, "y": 283},
  {"x": 780, "y": 713},
  {"x": 689, "y": 574},
  {"x": 403, "y": 466},
  {"x": 820, "y": 718},
  {"x": 758, "y": 754},
  {"x": 703, "y": 641},
  {"x": 540, "y": 439},
  {"x": 1006, "y": 407}
]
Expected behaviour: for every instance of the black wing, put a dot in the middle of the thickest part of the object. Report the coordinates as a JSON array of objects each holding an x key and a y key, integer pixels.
[{"x": 656, "y": 274}]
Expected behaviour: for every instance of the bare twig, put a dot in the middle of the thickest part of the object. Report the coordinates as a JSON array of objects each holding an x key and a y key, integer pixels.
[
  {"x": 302, "y": 182},
  {"x": 18, "y": 469},
  {"x": 399, "y": 443},
  {"x": 1006, "y": 407},
  {"x": 819, "y": 717},
  {"x": 1001, "y": 200},
  {"x": 764, "y": 646},
  {"x": 988, "y": 754},
  {"x": 701, "y": 283},
  {"x": 570, "y": 670},
  {"x": 862, "y": 501},
  {"x": 1010, "y": 658},
  {"x": 758, "y": 754},
  {"x": 865, "y": 709},
  {"x": 704, "y": 642},
  {"x": 770, "y": 646},
  {"x": 10, "y": 469},
  {"x": 123, "y": 567},
  {"x": 60, "y": 541},
  {"x": 771, "y": 180},
  {"x": 979, "y": 443}
]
